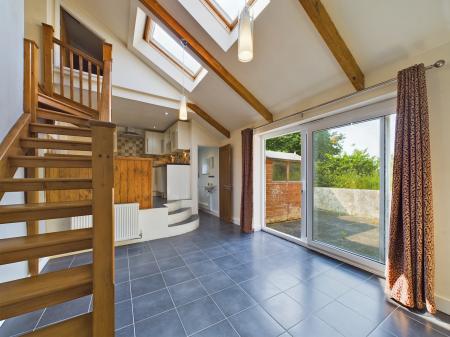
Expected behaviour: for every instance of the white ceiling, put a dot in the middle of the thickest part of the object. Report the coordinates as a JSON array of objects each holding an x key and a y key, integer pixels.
[
  {"x": 126, "y": 112},
  {"x": 291, "y": 60}
]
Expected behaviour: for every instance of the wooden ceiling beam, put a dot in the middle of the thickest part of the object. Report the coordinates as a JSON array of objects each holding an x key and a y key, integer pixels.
[
  {"x": 324, "y": 24},
  {"x": 219, "y": 127},
  {"x": 170, "y": 22}
]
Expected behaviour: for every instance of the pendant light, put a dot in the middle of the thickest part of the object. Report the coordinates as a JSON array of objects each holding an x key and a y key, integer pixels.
[
  {"x": 182, "y": 115},
  {"x": 245, "y": 35}
]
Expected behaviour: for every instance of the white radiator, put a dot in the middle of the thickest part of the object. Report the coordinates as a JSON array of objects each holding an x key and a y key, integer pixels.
[{"x": 126, "y": 219}]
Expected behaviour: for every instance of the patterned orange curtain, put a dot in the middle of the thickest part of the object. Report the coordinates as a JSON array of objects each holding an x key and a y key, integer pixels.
[
  {"x": 247, "y": 181},
  {"x": 410, "y": 264}
]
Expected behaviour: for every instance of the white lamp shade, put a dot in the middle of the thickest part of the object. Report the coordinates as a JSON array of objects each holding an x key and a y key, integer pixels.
[
  {"x": 245, "y": 36},
  {"x": 183, "y": 109}
]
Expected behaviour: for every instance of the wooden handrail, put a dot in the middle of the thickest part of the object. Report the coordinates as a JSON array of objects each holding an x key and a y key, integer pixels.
[
  {"x": 98, "y": 69},
  {"x": 78, "y": 52}
]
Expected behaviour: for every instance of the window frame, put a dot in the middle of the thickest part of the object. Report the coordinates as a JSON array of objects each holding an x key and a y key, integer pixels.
[
  {"x": 217, "y": 12},
  {"x": 148, "y": 37}
]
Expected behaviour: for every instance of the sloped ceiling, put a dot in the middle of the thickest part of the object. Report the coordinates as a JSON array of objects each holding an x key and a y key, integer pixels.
[{"x": 291, "y": 60}]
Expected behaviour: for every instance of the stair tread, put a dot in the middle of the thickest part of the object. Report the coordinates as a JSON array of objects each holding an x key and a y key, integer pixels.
[
  {"x": 61, "y": 104},
  {"x": 60, "y": 130},
  {"x": 63, "y": 141},
  {"x": 180, "y": 210},
  {"x": 40, "y": 245},
  {"x": 42, "y": 211},
  {"x": 51, "y": 161},
  {"x": 62, "y": 113},
  {"x": 193, "y": 217},
  {"x": 27, "y": 294},
  {"x": 42, "y": 184}
]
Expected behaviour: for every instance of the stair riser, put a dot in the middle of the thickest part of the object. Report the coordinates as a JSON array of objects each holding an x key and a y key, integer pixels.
[
  {"x": 44, "y": 214},
  {"x": 178, "y": 217},
  {"x": 54, "y": 145}
]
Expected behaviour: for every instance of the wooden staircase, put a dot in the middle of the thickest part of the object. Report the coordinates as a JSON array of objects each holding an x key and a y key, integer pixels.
[{"x": 38, "y": 131}]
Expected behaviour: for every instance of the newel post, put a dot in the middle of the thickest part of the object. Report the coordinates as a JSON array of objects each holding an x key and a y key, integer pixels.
[
  {"x": 103, "y": 227},
  {"x": 47, "y": 42},
  {"x": 105, "y": 101}
]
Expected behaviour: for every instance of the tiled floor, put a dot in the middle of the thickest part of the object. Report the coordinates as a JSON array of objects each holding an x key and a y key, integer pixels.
[{"x": 216, "y": 282}]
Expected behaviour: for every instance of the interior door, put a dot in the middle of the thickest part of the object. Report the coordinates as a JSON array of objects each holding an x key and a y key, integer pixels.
[{"x": 225, "y": 183}]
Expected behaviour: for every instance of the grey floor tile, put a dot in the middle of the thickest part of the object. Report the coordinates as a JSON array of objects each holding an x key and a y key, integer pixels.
[
  {"x": 199, "y": 315},
  {"x": 378, "y": 332},
  {"x": 147, "y": 285},
  {"x": 143, "y": 270},
  {"x": 222, "y": 329},
  {"x": 215, "y": 252},
  {"x": 371, "y": 309},
  {"x": 255, "y": 322},
  {"x": 204, "y": 268},
  {"x": 260, "y": 288},
  {"x": 165, "y": 325},
  {"x": 138, "y": 250},
  {"x": 124, "y": 314},
  {"x": 138, "y": 260},
  {"x": 127, "y": 331},
  {"x": 227, "y": 262},
  {"x": 151, "y": 304},
  {"x": 65, "y": 310},
  {"x": 195, "y": 257},
  {"x": 178, "y": 275},
  {"x": 20, "y": 324},
  {"x": 186, "y": 292},
  {"x": 328, "y": 285},
  {"x": 122, "y": 275},
  {"x": 170, "y": 263},
  {"x": 121, "y": 264},
  {"x": 122, "y": 292},
  {"x": 402, "y": 325},
  {"x": 216, "y": 282},
  {"x": 285, "y": 310},
  {"x": 164, "y": 253},
  {"x": 232, "y": 300},
  {"x": 283, "y": 280},
  {"x": 308, "y": 297},
  {"x": 313, "y": 326},
  {"x": 241, "y": 273},
  {"x": 345, "y": 320}
]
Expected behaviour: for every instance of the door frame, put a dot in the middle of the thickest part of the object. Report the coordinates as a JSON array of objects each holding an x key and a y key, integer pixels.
[
  {"x": 370, "y": 110},
  {"x": 222, "y": 176}
]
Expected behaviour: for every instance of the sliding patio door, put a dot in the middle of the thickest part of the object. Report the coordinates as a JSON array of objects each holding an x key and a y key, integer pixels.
[
  {"x": 284, "y": 184},
  {"x": 350, "y": 188}
]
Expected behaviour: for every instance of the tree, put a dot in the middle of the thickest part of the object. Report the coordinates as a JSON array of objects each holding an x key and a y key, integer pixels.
[{"x": 290, "y": 143}]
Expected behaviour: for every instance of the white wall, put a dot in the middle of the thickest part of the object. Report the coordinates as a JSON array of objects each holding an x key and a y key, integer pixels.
[
  {"x": 11, "y": 107},
  {"x": 209, "y": 201}
]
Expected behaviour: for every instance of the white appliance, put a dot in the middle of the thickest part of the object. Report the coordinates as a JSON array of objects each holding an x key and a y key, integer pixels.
[{"x": 178, "y": 182}]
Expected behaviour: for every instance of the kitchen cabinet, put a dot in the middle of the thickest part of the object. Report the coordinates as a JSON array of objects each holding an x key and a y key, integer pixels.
[
  {"x": 154, "y": 142},
  {"x": 178, "y": 137}
]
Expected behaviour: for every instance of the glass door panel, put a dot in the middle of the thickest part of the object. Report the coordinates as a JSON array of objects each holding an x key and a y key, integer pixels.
[
  {"x": 347, "y": 209},
  {"x": 283, "y": 184}
]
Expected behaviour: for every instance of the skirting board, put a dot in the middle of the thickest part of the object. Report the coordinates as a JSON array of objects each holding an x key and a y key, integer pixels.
[{"x": 443, "y": 304}]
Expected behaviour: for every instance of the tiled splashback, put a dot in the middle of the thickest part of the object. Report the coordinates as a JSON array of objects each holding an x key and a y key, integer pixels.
[{"x": 130, "y": 146}]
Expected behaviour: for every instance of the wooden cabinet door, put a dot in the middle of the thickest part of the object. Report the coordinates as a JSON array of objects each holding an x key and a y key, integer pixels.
[{"x": 225, "y": 183}]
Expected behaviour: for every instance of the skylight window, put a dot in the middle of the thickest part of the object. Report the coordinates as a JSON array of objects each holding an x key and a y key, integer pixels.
[
  {"x": 171, "y": 48},
  {"x": 227, "y": 11}
]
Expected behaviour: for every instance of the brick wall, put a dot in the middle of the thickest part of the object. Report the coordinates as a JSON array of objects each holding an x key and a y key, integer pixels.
[{"x": 283, "y": 198}]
